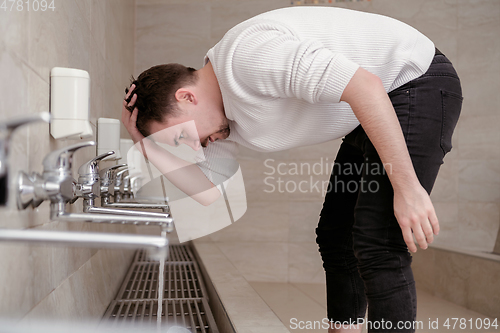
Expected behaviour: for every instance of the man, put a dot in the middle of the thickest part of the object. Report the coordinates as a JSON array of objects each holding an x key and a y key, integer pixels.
[{"x": 304, "y": 75}]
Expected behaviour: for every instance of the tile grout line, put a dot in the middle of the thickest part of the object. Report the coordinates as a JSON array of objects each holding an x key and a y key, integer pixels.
[
  {"x": 59, "y": 285},
  {"x": 321, "y": 305},
  {"x": 269, "y": 305}
]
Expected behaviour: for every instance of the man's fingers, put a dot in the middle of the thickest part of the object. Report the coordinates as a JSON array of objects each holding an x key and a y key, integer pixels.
[
  {"x": 420, "y": 236},
  {"x": 133, "y": 100},
  {"x": 130, "y": 91},
  {"x": 426, "y": 227},
  {"x": 130, "y": 104},
  {"x": 408, "y": 237},
  {"x": 133, "y": 117},
  {"x": 125, "y": 115},
  {"x": 434, "y": 222}
]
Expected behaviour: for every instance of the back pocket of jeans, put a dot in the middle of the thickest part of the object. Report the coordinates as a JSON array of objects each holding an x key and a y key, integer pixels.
[{"x": 451, "y": 107}]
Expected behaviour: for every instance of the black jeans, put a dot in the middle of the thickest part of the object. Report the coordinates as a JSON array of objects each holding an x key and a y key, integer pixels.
[{"x": 364, "y": 255}]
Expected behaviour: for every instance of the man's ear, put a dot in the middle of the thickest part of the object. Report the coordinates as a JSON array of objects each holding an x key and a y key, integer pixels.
[{"x": 186, "y": 95}]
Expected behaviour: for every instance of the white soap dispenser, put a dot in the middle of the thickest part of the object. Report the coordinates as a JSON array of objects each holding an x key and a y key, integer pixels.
[
  {"x": 131, "y": 156},
  {"x": 69, "y": 103},
  {"x": 125, "y": 146},
  {"x": 108, "y": 137}
]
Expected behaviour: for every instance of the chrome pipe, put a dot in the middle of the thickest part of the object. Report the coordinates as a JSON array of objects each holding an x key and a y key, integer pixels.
[
  {"x": 138, "y": 205},
  {"x": 157, "y": 246},
  {"x": 121, "y": 212},
  {"x": 89, "y": 207},
  {"x": 58, "y": 213},
  {"x": 108, "y": 218}
]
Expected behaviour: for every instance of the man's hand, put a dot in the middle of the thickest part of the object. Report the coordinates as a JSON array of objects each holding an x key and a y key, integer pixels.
[
  {"x": 129, "y": 119},
  {"x": 414, "y": 211}
]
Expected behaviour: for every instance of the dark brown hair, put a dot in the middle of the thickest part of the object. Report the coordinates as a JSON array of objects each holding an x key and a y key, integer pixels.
[{"x": 155, "y": 89}]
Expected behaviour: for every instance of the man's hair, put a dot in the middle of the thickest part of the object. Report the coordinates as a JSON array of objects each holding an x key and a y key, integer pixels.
[{"x": 155, "y": 89}]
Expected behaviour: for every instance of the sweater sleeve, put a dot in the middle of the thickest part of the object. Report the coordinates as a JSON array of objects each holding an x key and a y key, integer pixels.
[{"x": 272, "y": 60}]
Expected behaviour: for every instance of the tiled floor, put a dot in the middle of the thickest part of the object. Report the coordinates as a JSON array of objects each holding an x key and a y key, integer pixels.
[{"x": 295, "y": 302}]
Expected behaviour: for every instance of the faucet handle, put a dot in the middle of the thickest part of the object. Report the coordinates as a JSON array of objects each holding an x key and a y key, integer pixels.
[
  {"x": 107, "y": 173},
  {"x": 135, "y": 184},
  {"x": 62, "y": 159},
  {"x": 88, "y": 185},
  {"x": 92, "y": 167},
  {"x": 119, "y": 185},
  {"x": 120, "y": 174}
]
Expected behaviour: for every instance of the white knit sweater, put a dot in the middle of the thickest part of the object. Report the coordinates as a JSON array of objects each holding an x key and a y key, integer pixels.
[{"x": 282, "y": 74}]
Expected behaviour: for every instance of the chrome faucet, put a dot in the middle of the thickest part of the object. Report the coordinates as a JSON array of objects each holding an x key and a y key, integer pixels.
[
  {"x": 119, "y": 184},
  {"x": 88, "y": 188},
  {"x": 135, "y": 184},
  {"x": 109, "y": 189},
  {"x": 6, "y": 130},
  {"x": 157, "y": 246},
  {"x": 107, "y": 177},
  {"x": 130, "y": 186},
  {"x": 127, "y": 189},
  {"x": 57, "y": 185}
]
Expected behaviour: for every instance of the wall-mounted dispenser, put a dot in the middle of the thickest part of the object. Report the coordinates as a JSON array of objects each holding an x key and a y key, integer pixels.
[
  {"x": 69, "y": 103},
  {"x": 108, "y": 137},
  {"x": 125, "y": 146},
  {"x": 132, "y": 157}
]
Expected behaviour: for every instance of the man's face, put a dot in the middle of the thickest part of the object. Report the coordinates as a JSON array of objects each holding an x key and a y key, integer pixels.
[
  {"x": 184, "y": 129},
  {"x": 176, "y": 135}
]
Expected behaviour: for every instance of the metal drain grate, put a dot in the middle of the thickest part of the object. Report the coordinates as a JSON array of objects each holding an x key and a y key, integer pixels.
[
  {"x": 188, "y": 313},
  {"x": 176, "y": 253},
  {"x": 181, "y": 281},
  {"x": 184, "y": 297}
]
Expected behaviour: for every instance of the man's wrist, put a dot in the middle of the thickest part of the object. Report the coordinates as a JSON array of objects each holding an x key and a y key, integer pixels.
[
  {"x": 405, "y": 184},
  {"x": 137, "y": 138}
]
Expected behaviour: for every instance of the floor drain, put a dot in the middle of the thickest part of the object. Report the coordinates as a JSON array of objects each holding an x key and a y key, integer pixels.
[{"x": 185, "y": 300}]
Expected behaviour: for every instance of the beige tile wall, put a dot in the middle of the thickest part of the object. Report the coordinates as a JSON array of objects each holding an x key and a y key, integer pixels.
[
  {"x": 275, "y": 240},
  {"x": 96, "y": 36},
  {"x": 469, "y": 279}
]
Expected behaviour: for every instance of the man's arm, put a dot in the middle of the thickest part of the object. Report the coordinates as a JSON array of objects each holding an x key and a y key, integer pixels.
[
  {"x": 373, "y": 108},
  {"x": 184, "y": 175}
]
